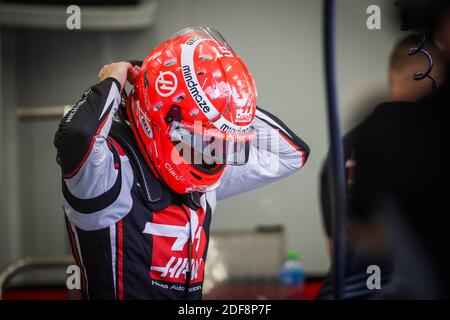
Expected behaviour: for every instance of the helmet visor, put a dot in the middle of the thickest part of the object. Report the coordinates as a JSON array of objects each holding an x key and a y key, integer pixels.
[
  {"x": 204, "y": 33},
  {"x": 208, "y": 146}
]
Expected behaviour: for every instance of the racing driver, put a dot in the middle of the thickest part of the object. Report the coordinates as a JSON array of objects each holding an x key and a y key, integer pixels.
[{"x": 142, "y": 173}]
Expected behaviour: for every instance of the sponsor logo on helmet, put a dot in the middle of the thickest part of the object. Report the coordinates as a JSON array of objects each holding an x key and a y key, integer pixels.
[
  {"x": 243, "y": 114},
  {"x": 194, "y": 90},
  {"x": 226, "y": 128},
  {"x": 166, "y": 83},
  {"x": 191, "y": 41},
  {"x": 146, "y": 127},
  {"x": 173, "y": 173}
]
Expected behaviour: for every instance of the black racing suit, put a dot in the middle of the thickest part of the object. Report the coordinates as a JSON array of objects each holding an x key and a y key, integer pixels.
[{"x": 132, "y": 237}]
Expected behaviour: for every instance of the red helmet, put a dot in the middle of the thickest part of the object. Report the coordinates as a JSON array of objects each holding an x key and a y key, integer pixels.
[{"x": 192, "y": 110}]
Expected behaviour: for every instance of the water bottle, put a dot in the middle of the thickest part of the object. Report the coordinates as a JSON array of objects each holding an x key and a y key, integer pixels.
[{"x": 292, "y": 275}]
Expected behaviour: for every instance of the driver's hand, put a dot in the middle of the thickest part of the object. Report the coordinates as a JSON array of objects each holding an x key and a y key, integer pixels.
[{"x": 122, "y": 71}]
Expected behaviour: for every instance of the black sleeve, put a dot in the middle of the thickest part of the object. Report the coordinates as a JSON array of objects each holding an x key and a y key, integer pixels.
[
  {"x": 326, "y": 191},
  {"x": 78, "y": 129},
  {"x": 384, "y": 148}
]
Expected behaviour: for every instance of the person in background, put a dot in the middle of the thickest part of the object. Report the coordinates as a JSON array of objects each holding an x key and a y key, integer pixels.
[
  {"x": 361, "y": 254},
  {"x": 401, "y": 178}
]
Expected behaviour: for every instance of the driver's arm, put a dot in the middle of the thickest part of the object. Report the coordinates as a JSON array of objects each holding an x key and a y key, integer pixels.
[{"x": 277, "y": 153}]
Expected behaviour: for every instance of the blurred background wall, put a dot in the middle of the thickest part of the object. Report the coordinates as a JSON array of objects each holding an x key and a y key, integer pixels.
[{"x": 281, "y": 42}]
